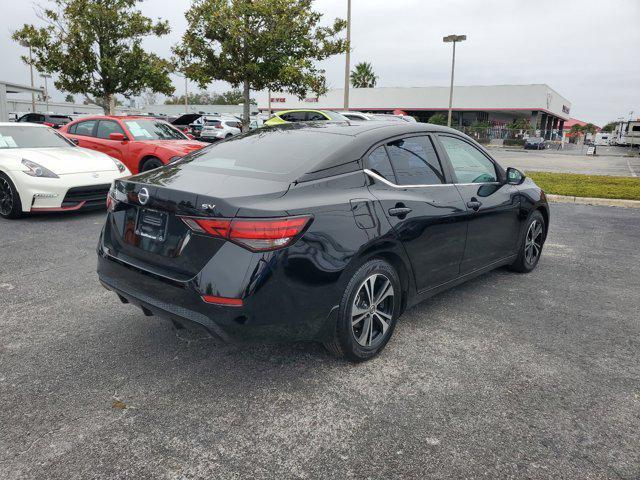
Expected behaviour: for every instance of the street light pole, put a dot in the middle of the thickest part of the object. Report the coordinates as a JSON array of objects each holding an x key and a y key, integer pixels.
[
  {"x": 347, "y": 66},
  {"x": 46, "y": 89},
  {"x": 452, "y": 39}
]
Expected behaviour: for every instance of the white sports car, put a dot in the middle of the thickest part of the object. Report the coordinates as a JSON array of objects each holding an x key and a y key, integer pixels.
[{"x": 41, "y": 171}]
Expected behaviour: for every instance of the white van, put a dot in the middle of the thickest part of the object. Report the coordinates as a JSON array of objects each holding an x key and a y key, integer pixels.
[{"x": 603, "y": 139}]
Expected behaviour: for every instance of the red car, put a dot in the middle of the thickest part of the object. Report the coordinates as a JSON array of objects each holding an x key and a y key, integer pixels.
[{"x": 141, "y": 143}]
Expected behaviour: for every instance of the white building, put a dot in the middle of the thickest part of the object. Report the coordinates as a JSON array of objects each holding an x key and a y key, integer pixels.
[{"x": 545, "y": 108}]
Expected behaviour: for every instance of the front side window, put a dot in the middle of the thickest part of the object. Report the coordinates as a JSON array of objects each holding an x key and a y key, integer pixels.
[
  {"x": 415, "y": 161},
  {"x": 469, "y": 164},
  {"x": 378, "y": 162},
  {"x": 85, "y": 128},
  {"x": 146, "y": 129},
  {"x": 107, "y": 127}
]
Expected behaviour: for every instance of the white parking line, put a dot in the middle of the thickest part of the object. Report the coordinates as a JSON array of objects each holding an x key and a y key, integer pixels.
[{"x": 633, "y": 174}]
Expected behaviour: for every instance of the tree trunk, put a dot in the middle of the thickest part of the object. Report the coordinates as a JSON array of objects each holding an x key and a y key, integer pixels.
[
  {"x": 246, "y": 111},
  {"x": 106, "y": 103}
]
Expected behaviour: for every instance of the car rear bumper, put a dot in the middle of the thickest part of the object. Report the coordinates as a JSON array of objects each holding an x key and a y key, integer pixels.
[{"x": 264, "y": 317}]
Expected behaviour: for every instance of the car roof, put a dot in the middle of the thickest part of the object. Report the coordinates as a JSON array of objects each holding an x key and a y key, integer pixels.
[
  {"x": 364, "y": 136},
  {"x": 302, "y": 110}
]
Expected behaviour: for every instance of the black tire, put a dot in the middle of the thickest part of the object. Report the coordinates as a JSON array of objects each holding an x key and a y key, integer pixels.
[
  {"x": 10, "y": 204},
  {"x": 151, "y": 164},
  {"x": 362, "y": 340},
  {"x": 228, "y": 136},
  {"x": 526, "y": 262}
]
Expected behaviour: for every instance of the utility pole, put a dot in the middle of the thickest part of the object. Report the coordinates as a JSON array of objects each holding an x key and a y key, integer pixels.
[
  {"x": 452, "y": 39},
  {"x": 46, "y": 76},
  {"x": 347, "y": 66},
  {"x": 186, "y": 94},
  {"x": 33, "y": 95},
  {"x": 269, "y": 101}
]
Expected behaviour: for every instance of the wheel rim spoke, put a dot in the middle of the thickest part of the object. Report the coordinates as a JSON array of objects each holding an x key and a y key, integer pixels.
[
  {"x": 372, "y": 310},
  {"x": 533, "y": 242}
]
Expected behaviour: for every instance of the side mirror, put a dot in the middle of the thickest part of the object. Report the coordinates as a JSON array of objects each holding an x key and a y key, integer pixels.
[
  {"x": 117, "y": 137},
  {"x": 514, "y": 176},
  {"x": 75, "y": 141}
]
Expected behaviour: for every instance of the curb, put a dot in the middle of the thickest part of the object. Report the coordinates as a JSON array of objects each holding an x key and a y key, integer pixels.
[{"x": 607, "y": 202}]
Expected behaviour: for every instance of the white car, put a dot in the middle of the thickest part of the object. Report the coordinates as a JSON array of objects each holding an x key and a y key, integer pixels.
[
  {"x": 368, "y": 117},
  {"x": 220, "y": 128},
  {"x": 41, "y": 171}
]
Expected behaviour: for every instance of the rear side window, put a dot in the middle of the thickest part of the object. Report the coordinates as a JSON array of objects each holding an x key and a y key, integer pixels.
[
  {"x": 233, "y": 124},
  {"x": 379, "y": 163},
  {"x": 85, "y": 128},
  {"x": 469, "y": 164},
  {"x": 107, "y": 127},
  {"x": 294, "y": 116},
  {"x": 415, "y": 161},
  {"x": 316, "y": 117}
]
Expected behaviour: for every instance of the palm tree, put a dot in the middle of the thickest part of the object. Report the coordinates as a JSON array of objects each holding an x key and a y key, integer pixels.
[{"x": 363, "y": 76}]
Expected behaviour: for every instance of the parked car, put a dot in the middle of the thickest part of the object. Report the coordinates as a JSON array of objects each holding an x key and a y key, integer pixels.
[
  {"x": 184, "y": 122},
  {"x": 368, "y": 117},
  {"x": 50, "y": 120},
  {"x": 303, "y": 115},
  {"x": 42, "y": 171},
  {"x": 141, "y": 143},
  {"x": 220, "y": 128},
  {"x": 355, "y": 223},
  {"x": 535, "y": 143}
]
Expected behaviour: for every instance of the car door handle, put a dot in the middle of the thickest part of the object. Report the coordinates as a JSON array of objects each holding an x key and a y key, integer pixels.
[
  {"x": 400, "y": 211},
  {"x": 474, "y": 204}
]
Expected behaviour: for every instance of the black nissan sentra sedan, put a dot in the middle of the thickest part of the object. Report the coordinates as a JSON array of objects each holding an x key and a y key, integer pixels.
[{"x": 319, "y": 232}]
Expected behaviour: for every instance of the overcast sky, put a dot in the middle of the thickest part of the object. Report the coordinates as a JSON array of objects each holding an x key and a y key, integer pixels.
[{"x": 587, "y": 50}]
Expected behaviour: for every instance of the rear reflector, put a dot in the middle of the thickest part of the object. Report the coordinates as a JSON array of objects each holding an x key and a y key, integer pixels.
[
  {"x": 257, "y": 234},
  {"x": 229, "y": 302}
]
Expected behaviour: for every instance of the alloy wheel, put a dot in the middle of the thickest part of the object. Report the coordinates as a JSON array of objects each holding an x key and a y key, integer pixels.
[
  {"x": 533, "y": 242},
  {"x": 372, "y": 310},
  {"x": 6, "y": 197}
]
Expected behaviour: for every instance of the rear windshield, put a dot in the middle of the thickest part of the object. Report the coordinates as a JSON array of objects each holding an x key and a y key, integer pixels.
[
  {"x": 279, "y": 154},
  {"x": 59, "y": 119}
]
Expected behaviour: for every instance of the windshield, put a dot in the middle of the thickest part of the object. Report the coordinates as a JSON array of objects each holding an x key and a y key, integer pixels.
[
  {"x": 31, "y": 137},
  {"x": 146, "y": 129}
]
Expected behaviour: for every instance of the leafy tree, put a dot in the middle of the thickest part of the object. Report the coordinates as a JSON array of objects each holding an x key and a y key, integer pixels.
[
  {"x": 609, "y": 127},
  {"x": 232, "y": 97},
  {"x": 69, "y": 99},
  {"x": 589, "y": 128},
  {"x": 520, "y": 123},
  {"x": 259, "y": 45},
  {"x": 95, "y": 48},
  {"x": 438, "y": 119},
  {"x": 363, "y": 76}
]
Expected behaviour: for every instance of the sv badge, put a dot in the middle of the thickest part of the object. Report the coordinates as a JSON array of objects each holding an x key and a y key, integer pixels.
[{"x": 208, "y": 206}]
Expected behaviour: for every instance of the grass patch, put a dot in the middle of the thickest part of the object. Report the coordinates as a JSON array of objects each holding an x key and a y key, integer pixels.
[{"x": 596, "y": 186}]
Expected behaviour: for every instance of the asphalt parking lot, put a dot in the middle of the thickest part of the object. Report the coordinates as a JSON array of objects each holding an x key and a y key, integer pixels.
[
  {"x": 569, "y": 162},
  {"x": 509, "y": 376}
]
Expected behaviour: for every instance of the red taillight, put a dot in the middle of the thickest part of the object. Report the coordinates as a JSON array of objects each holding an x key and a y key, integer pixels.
[
  {"x": 219, "y": 125},
  {"x": 109, "y": 202},
  {"x": 257, "y": 234},
  {"x": 229, "y": 302},
  {"x": 48, "y": 124}
]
